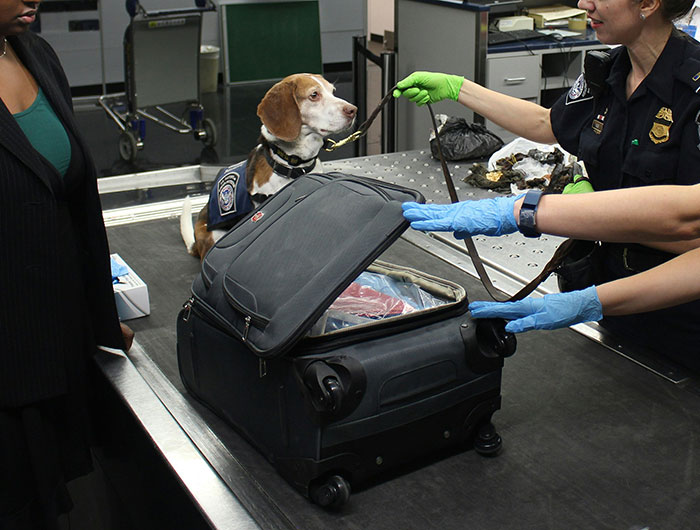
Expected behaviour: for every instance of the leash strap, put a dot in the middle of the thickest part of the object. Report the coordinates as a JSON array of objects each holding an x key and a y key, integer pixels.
[
  {"x": 494, "y": 292},
  {"x": 362, "y": 129}
]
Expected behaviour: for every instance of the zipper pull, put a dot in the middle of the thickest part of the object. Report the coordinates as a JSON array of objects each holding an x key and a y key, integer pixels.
[
  {"x": 247, "y": 328},
  {"x": 188, "y": 309}
]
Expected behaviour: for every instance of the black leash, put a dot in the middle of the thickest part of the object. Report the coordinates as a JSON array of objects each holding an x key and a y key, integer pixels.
[
  {"x": 362, "y": 129},
  {"x": 494, "y": 292}
]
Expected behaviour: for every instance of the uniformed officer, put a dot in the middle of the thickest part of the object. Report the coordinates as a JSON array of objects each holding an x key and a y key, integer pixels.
[{"x": 635, "y": 123}]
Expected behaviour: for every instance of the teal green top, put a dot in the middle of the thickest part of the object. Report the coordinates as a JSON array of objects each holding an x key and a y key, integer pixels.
[{"x": 46, "y": 132}]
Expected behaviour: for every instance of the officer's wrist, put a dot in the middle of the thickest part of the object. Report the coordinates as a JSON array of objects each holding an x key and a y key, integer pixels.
[{"x": 526, "y": 220}]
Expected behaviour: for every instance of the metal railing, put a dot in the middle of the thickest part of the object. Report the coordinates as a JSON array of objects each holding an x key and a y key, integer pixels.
[{"x": 388, "y": 66}]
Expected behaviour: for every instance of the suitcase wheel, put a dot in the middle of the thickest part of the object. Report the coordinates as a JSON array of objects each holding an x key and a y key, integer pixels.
[
  {"x": 487, "y": 441},
  {"x": 333, "y": 493}
]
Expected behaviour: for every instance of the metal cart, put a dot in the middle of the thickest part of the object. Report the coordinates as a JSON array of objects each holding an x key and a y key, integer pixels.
[{"x": 161, "y": 66}]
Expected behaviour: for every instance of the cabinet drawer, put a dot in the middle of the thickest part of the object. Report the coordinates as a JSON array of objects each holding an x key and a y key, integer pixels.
[{"x": 515, "y": 76}]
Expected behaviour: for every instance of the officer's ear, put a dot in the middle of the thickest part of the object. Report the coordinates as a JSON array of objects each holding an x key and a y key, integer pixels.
[{"x": 648, "y": 7}]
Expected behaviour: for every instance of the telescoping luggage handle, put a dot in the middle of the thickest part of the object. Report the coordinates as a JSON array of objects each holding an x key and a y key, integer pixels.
[{"x": 494, "y": 292}]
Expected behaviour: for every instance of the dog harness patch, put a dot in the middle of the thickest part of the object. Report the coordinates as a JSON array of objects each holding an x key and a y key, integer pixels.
[{"x": 229, "y": 199}]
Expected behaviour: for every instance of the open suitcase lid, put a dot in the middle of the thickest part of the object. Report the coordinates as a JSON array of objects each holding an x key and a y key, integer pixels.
[{"x": 289, "y": 261}]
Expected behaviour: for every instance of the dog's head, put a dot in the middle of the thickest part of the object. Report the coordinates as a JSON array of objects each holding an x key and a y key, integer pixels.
[{"x": 304, "y": 103}]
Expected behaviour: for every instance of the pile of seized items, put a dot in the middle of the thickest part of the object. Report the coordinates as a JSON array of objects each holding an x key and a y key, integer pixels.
[{"x": 504, "y": 176}]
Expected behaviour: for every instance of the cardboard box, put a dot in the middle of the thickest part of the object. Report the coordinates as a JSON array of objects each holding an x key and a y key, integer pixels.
[
  {"x": 130, "y": 293},
  {"x": 548, "y": 16},
  {"x": 514, "y": 23}
]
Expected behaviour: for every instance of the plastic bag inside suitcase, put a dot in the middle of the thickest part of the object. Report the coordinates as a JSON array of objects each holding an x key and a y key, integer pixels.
[{"x": 332, "y": 392}]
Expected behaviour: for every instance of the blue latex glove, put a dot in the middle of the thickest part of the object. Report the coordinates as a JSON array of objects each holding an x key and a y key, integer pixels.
[
  {"x": 117, "y": 270},
  {"x": 491, "y": 217},
  {"x": 552, "y": 311}
]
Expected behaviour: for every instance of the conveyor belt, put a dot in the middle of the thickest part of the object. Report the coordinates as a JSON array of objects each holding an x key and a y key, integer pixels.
[{"x": 591, "y": 440}]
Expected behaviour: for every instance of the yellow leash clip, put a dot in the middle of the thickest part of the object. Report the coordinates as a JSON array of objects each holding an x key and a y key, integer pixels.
[{"x": 333, "y": 145}]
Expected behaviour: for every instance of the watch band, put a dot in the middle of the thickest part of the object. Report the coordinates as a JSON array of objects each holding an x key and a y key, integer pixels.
[{"x": 528, "y": 210}]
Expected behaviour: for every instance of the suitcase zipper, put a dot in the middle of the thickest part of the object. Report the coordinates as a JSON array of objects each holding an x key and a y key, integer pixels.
[
  {"x": 248, "y": 316},
  {"x": 247, "y": 329},
  {"x": 196, "y": 305},
  {"x": 187, "y": 306}
]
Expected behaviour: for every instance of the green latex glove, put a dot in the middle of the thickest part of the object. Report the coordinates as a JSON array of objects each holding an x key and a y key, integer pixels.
[
  {"x": 429, "y": 87},
  {"x": 580, "y": 185}
]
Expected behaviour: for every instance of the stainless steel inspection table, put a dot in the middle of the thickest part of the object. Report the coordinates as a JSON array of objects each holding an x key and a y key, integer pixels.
[{"x": 592, "y": 439}]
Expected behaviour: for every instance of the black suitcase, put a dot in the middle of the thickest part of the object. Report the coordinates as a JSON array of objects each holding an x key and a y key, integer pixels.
[{"x": 330, "y": 400}]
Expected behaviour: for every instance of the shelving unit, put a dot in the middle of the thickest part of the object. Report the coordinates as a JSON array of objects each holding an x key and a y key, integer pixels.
[{"x": 538, "y": 75}]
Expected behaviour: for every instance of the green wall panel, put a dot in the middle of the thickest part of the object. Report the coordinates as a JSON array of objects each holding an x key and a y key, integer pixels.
[{"x": 272, "y": 40}]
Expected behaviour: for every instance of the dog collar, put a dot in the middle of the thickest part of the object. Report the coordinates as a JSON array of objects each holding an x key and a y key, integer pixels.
[
  {"x": 290, "y": 171},
  {"x": 292, "y": 160}
]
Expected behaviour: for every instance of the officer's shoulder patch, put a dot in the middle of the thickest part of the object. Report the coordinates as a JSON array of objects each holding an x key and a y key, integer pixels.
[
  {"x": 689, "y": 73},
  {"x": 579, "y": 91}
]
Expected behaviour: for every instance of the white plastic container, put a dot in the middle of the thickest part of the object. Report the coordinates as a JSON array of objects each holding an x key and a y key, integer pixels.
[{"x": 208, "y": 68}]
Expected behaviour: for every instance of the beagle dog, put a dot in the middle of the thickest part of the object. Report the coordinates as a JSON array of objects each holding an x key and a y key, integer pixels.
[{"x": 298, "y": 114}]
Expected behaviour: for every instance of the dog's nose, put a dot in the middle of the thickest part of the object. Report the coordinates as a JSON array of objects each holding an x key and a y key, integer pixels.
[{"x": 350, "y": 110}]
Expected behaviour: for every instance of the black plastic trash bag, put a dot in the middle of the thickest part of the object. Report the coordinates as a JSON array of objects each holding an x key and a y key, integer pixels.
[{"x": 464, "y": 141}]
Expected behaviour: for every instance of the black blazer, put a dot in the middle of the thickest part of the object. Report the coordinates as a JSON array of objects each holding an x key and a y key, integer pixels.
[{"x": 37, "y": 330}]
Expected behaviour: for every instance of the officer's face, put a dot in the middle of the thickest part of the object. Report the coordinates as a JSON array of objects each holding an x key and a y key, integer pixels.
[
  {"x": 614, "y": 21},
  {"x": 16, "y": 16}
]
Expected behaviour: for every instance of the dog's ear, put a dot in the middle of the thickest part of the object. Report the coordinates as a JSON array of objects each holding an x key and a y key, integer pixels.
[{"x": 279, "y": 111}]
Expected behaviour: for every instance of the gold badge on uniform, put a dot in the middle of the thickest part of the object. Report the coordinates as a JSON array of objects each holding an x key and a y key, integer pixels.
[{"x": 661, "y": 128}]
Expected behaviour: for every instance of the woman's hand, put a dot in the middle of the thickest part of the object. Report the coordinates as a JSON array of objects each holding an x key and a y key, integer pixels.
[
  {"x": 552, "y": 311},
  {"x": 491, "y": 217},
  {"x": 128, "y": 335},
  {"x": 429, "y": 87}
]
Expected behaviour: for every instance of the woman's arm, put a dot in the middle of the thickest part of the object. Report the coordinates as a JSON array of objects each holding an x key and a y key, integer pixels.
[
  {"x": 630, "y": 215},
  {"x": 675, "y": 282},
  {"x": 521, "y": 117}
]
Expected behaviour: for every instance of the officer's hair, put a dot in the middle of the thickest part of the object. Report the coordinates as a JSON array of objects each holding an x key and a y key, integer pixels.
[{"x": 674, "y": 9}]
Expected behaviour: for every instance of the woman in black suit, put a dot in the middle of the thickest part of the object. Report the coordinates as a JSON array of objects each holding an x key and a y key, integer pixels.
[{"x": 57, "y": 299}]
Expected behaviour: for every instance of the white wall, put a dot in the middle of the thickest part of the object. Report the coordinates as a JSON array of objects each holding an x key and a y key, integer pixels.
[{"x": 380, "y": 16}]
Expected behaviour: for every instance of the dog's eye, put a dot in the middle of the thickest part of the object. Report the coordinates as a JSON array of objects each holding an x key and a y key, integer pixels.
[{"x": 314, "y": 96}]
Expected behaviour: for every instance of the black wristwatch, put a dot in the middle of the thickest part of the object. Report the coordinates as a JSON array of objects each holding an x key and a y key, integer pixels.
[{"x": 526, "y": 223}]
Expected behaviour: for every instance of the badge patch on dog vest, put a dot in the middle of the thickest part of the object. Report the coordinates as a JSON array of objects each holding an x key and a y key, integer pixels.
[{"x": 229, "y": 199}]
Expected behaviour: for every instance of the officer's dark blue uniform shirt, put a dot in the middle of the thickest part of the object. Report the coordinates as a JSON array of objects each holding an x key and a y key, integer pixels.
[{"x": 652, "y": 138}]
